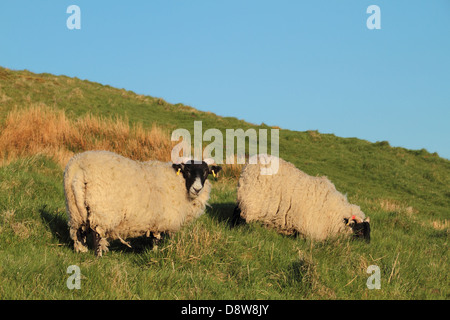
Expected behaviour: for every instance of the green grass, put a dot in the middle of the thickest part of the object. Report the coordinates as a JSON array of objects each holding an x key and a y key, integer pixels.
[{"x": 405, "y": 192}]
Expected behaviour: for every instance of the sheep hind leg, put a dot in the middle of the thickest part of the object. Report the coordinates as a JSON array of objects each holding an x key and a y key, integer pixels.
[
  {"x": 78, "y": 235},
  {"x": 100, "y": 243},
  {"x": 156, "y": 240}
]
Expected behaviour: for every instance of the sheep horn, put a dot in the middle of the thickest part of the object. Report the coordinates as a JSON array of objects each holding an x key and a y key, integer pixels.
[{"x": 355, "y": 218}]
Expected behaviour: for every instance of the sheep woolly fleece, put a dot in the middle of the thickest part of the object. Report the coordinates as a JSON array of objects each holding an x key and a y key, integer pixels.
[
  {"x": 292, "y": 201},
  {"x": 121, "y": 198}
]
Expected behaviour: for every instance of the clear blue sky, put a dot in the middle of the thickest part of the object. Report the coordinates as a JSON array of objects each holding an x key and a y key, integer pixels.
[{"x": 297, "y": 64}]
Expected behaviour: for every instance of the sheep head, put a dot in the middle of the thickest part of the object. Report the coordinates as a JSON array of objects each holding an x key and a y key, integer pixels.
[
  {"x": 195, "y": 173},
  {"x": 359, "y": 227}
]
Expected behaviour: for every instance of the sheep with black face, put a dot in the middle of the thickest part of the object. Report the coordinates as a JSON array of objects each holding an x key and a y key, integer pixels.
[
  {"x": 117, "y": 198},
  {"x": 195, "y": 174}
]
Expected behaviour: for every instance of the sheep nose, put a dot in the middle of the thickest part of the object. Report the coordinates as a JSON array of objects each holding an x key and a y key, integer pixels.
[{"x": 197, "y": 190}]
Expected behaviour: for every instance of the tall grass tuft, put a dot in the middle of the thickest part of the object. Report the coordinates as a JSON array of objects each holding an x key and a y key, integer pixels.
[{"x": 42, "y": 130}]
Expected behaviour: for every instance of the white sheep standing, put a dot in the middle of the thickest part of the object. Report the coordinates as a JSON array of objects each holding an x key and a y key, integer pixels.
[
  {"x": 117, "y": 198},
  {"x": 292, "y": 201}
]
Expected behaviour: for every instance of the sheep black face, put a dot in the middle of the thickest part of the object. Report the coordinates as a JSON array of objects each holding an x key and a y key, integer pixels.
[
  {"x": 361, "y": 229},
  {"x": 195, "y": 174}
]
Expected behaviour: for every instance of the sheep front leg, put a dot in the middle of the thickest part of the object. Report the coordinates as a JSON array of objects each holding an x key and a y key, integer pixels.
[
  {"x": 100, "y": 244},
  {"x": 156, "y": 239},
  {"x": 78, "y": 235}
]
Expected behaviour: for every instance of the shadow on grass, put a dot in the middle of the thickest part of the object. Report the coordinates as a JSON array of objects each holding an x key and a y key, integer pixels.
[
  {"x": 229, "y": 214},
  {"x": 138, "y": 244},
  {"x": 56, "y": 221},
  {"x": 225, "y": 213}
]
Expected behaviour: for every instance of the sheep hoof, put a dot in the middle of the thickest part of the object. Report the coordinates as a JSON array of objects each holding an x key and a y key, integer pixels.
[
  {"x": 156, "y": 240},
  {"x": 79, "y": 239},
  {"x": 100, "y": 244},
  {"x": 79, "y": 247}
]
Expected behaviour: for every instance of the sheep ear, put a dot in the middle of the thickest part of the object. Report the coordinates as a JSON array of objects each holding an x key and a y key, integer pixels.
[
  {"x": 366, "y": 230},
  {"x": 214, "y": 170},
  {"x": 367, "y": 220},
  {"x": 178, "y": 167}
]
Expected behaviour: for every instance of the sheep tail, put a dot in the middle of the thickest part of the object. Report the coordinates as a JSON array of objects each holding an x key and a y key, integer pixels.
[{"x": 75, "y": 192}]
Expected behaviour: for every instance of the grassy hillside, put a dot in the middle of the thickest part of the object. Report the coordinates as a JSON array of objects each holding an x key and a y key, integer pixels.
[{"x": 44, "y": 119}]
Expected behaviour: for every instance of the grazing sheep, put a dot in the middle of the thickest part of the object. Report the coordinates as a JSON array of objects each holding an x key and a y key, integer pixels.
[
  {"x": 118, "y": 198},
  {"x": 293, "y": 202}
]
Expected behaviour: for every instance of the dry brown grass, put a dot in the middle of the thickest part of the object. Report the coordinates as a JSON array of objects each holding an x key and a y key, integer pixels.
[
  {"x": 441, "y": 225},
  {"x": 42, "y": 130},
  {"x": 232, "y": 171},
  {"x": 396, "y": 206}
]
